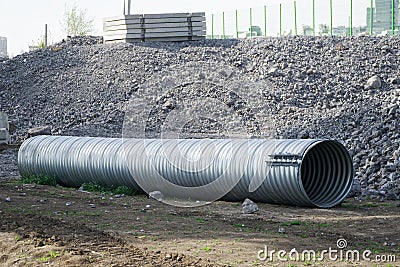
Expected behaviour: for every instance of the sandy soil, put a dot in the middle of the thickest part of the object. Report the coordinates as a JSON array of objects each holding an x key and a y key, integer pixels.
[{"x": 56, "y": 226}]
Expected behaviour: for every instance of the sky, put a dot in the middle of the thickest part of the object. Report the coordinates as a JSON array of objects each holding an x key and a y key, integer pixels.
[{"x": 23, "y": 21}]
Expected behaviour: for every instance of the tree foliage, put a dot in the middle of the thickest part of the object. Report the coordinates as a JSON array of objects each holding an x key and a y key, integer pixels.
[
  {"x": 76, "y": 22},
  {"x": 39, "y": 43}
]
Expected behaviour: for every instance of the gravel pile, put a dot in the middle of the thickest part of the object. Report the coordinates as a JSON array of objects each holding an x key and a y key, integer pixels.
[
  {"x": 8, "y": 166},
  {"x": 78, "y": 41},
  {"x": 315, "y": 87}
]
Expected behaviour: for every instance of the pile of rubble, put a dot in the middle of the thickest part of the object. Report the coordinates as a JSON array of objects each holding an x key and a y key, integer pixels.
[{"x": 315, "y": 87}]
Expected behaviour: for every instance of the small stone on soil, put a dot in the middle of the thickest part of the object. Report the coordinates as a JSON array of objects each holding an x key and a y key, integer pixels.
[{"x": 249, "y": 207}]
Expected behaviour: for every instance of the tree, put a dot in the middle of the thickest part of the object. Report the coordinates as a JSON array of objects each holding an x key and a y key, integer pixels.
[{"x": 76, "y": 23}]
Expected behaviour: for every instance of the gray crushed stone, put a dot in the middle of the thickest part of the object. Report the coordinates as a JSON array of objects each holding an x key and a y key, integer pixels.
[{"x": 321, "y": 87}]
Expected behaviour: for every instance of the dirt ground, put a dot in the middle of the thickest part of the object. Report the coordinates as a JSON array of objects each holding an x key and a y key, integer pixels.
[{"x": 56, "y": 226}]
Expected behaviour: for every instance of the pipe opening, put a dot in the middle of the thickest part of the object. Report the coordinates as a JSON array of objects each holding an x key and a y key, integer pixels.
[{"x": 326, "y": 173}]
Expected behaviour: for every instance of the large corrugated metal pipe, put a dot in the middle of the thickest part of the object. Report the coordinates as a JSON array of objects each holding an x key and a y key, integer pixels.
[{"x": 314, "y": 173}]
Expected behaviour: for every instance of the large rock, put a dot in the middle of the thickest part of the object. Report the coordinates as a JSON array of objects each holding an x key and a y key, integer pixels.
[
  {"x": 374, "y": 82},
  {"x": 41, "y": 130},
  {"x": 249, "y": 207}
]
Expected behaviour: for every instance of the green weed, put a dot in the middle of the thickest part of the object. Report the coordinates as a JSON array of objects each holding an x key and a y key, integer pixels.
[
  {"x": 118, "y": 190},
  {"x": 200, "y": 220},
  {"x": 206, "y": 248},
  {"x": 50, "y": 255},
  {"x": 39, "y": 179}
]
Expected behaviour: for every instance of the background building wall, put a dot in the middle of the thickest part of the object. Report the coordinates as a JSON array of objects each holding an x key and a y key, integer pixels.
[{"x": 382, "y": 15}]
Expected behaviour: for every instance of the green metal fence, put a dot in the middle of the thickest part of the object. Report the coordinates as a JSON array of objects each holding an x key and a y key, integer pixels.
[{"x": 308, "y": 17}]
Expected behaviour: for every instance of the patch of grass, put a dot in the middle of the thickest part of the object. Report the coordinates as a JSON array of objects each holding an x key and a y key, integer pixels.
[
  {"x": 200, "y": 220},
  {"x": 378, "y": 250},
  {"x": 118, "y": 190},
  {"x": 104, "y": 225},
  {"x": 124, "y": 190},
  {"x": 244, "y": 228},
  {"x": 323, "y": 225},
  {"x": 15, "y": 209},
  {"x": 92, "y": 187},
  {"x": 52, "y": 193},
  {"x": 207, "y": 248},
  {"x": 39, "y": 179},
  {"x": 256, "y": 263},
  {"x": 349, "y": 205},
  {"x": 239, "y": 239},
  {"x": 17, "y": 238},
  {"x": 50, "y": 255}
]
